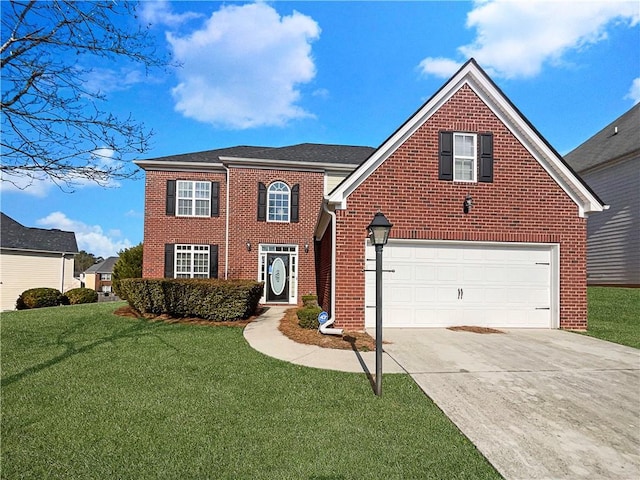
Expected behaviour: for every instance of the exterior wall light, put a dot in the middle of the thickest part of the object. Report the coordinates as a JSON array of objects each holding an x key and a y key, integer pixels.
[
  {"x": 468, "y": 203},
  {"x": 379, "y": 229},
  {"x": 248, "y": 244},
  {"x": 306, "y": 247}
]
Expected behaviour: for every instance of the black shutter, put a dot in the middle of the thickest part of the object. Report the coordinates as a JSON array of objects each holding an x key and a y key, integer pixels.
[
  {"x": 295, "y": 202},
  {"x": 168, "y": 260},
  {"x": 486, "y": 158},
  {"x": 213, "y": 261},
  {"x": 171, "y": 197},
  {"x": 215, "y": 199},
  {"x": 262, "y": 202},
  {"x": 445, "y": 171}
]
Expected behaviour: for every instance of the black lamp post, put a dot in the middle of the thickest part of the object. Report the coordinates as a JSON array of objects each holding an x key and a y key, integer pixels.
[{"x": 379, "y": 234}]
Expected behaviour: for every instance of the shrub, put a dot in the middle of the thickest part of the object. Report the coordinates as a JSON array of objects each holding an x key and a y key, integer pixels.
[
  {"x": 128, "y": 265},
  {"x": 81, "y": 295},
  {"x": 211, "y": 299},
  {"x": 310, "y": 300},
  {"x": 40, "y": 297},
  {"x": 308, "y": 317}
]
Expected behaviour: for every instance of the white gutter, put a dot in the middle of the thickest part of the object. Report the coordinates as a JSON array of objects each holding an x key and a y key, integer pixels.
[
  {"x": 226, "y": 228},
  {"x": 324, "y": 328}
]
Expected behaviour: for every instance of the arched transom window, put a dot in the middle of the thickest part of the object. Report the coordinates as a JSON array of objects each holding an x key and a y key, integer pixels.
[{"x": 278, "y": 201}]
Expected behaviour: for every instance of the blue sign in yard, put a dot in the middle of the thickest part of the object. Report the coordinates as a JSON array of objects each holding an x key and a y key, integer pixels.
[{"x": 323, "y": 317}]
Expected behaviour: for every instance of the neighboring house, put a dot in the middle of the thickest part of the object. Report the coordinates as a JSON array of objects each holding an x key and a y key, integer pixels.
[
  {"x": 610, "y": 163},
  {"x": 296, "y": 218},
  {"x": 32, "y": 258},
  {"x": 98, "y": 276}
]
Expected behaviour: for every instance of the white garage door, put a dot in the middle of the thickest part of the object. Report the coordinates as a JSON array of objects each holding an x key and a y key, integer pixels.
[{"x": 454, "y": 284}]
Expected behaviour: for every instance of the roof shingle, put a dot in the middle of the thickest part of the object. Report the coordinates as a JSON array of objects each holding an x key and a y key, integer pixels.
[{"x": 16, "y": 236}]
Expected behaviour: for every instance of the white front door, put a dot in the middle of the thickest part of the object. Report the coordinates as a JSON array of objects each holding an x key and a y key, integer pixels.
[
  {"x": 464, "y": 283},
  {"x": 278, "y": 266}
]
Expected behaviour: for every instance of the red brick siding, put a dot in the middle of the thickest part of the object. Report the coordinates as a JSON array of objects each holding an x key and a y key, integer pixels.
[
  {"x": 243, "y": 224},
  {"x": 161, "y": 229},
  {"x": 323, "y": 270},
  {"x": 523, "y": 204}
]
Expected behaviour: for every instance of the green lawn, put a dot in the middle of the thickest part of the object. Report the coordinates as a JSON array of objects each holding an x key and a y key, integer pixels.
[
  {"x": 89, "y": 395},
  {"x": 614, "y": 314}
]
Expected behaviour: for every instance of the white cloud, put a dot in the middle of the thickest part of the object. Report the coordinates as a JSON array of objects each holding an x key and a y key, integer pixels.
[
  {"x": 106, "y": 80},
  {"x": 516, "y": 39},
  {"x": 159, "y": 13},
  {"x": 440, "y": 67},
  {"x": 634, "y": 91},
  {"x": 35, "y": 185},
  {"x": 90, "y": 238},
  {"x": 242, "y": 68}
]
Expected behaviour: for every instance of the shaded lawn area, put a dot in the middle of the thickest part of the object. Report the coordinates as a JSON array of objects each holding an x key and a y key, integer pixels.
[
  {"x": 87, "y": 394},
  {"x": 614, "y": 314}
]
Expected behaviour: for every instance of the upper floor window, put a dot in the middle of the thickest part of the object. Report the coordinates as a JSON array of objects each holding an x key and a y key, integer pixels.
[
  {"x": 193, "y": 198},
  {"x": 464, "y": 157},
  {"x": 191, "y": 261},
  {"x": 105, "y": 277},
  {"x": 278, "y": 200}
]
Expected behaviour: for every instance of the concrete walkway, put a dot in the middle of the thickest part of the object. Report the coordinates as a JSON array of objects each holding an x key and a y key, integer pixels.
[
  {"x": 538, "y": 404},
  {"x": 263, "y": 335}
]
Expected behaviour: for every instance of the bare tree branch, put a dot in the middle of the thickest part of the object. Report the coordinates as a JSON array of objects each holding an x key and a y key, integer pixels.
[{"x": 53, "y": 123}]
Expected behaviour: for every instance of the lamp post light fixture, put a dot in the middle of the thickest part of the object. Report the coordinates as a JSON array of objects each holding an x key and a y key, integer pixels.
[{"x": 379, "y": 234}]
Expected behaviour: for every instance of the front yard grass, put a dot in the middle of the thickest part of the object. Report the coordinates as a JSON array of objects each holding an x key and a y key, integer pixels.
[
  {"x": 87, "y": 394},
  {"x": 614, "y": 314}
]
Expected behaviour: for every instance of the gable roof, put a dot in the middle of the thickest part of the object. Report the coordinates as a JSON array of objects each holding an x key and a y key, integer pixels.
[
  {"x": 472, "y": 75},
  {"x": 105, "y": 266},
  {"x": 15, "y": 236},
  {"x": 620, "y": 139},
  {"x": 301, "y": 155}
]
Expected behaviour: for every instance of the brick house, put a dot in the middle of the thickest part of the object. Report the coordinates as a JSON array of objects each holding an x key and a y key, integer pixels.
[{"x": 296, "y": 217}]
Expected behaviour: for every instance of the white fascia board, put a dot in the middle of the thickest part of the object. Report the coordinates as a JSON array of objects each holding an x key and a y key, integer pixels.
[
  {"x": 340, "y": 195},
  {"x": 495, "y": 100},
  {"x": 168, "y": 166},
  {"x": 324, "y": 219},
  {"x": 272, "y": 164},
  {"x": 28, "y": 251},
  {"x": 537, "y": 147}
]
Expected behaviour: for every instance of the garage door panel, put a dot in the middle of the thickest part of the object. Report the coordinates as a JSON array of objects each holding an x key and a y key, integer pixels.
[{"x": 498, "y": 285}]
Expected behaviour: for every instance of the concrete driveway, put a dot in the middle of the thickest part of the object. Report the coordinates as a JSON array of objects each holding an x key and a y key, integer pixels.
[{"x": 539, "y": 404}]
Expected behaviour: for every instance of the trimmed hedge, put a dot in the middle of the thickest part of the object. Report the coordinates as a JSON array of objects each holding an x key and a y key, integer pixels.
[
  {"x": 308, "y": 317},
  {"x": 40, "y": 297},
  {"x": 211, "y": 299},
  {"x": 77, "y": 296}
]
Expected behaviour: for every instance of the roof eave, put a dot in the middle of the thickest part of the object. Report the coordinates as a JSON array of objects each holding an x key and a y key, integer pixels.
[{"x": 179, "y": 166}]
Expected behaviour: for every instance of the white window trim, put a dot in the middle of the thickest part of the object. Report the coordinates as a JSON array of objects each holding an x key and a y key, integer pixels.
[
  {"x": 474, "y": 158},
  {"x": 192, "y": 198},
  {"x": 288, "y": 220},
  {"x": 189, "y": 248}
]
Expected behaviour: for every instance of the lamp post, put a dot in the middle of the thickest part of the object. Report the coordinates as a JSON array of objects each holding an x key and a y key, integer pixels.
[{"x": 379, "y": 234}]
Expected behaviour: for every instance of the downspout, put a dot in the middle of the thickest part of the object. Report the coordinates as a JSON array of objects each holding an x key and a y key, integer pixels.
[
  {"x": 226, "y": 228},
  {"x": 324, "y": 328},
  {"x": 62, "y": 277}
]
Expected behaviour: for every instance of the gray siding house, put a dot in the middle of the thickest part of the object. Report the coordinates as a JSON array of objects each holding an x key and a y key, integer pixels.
[{"x": 610, "y": 163}]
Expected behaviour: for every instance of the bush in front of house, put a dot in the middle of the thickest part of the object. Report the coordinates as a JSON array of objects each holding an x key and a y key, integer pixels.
[
  {"x": 77, "y": 296},
  {"x": 308, "y": 316},
  {"x": 40, "y": 297},
  {"x": 210, "y": 299}
]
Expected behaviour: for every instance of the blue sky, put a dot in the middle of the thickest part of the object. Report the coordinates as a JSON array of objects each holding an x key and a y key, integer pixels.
[{"x": 282, "y": 73}]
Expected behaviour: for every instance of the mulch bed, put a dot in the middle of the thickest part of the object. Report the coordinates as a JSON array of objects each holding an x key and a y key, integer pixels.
[{"x": 349, "y": 340}]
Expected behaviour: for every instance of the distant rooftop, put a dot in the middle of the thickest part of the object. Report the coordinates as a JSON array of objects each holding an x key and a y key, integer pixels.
[
  {"x": 105, "y": 266},
  {"x": 618, "y": 139},
  {"x": 16, "y": 236}
]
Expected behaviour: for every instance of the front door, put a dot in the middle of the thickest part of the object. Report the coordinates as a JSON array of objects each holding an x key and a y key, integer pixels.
[{"x": 277, "y": 281}]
